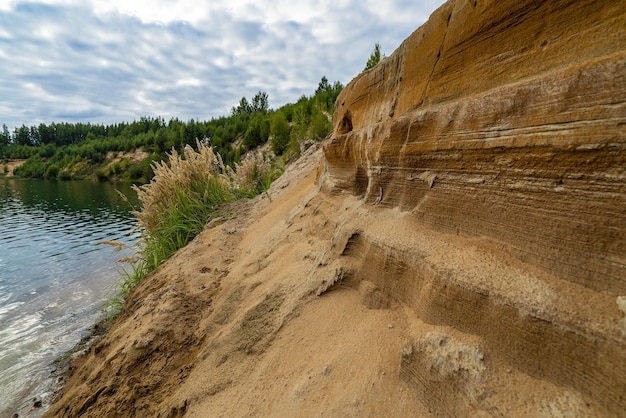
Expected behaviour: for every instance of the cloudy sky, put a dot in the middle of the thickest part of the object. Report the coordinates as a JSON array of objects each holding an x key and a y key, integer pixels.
[{"x": 108, "y": 61}]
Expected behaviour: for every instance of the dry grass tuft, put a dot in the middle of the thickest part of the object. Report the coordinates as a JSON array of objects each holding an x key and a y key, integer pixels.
[
  {"x": 184, "y": 194},
  {"x": 200, "y": 176}
]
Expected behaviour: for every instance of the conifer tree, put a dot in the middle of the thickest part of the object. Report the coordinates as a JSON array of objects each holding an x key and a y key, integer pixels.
[{"x": 374, "y": 58}]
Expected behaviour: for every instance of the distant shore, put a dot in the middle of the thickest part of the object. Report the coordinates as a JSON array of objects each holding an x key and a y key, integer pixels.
[{"x": 11, "y": 165}]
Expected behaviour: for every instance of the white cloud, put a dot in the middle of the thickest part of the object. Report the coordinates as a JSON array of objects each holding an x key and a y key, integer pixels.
[
  {"x": 189, "y": 82},
  {"x": 111, "y": 60}
]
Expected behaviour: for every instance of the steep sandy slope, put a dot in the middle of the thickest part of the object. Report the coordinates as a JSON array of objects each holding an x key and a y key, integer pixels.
[
  {"x": 456, "y": 249},
  {"x": 311, "y": 305},
  {"x": 243, "y": 322}
]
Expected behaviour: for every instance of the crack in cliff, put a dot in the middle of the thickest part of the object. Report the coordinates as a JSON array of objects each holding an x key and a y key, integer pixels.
[{"x": 439, "y": 53}]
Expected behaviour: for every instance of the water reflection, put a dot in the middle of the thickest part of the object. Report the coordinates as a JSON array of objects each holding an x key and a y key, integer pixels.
[
  {"x": 69, "y": 196},
  {"x": 53, "y": 274}
]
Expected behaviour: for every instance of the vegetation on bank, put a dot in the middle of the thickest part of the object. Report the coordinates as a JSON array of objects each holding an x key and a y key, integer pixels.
[
  {"x": 185, "y": 193},
  {"x": 66, "y": 151},
  {"x": 183, "y": 171},
  {"x": 190, "y": 185}
]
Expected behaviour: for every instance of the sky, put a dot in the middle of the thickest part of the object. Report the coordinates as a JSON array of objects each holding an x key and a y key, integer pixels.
[{"x": 111, "y": 61}]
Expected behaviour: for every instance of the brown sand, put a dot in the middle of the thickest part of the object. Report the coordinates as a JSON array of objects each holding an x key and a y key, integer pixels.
[
  {"x": 12, "y": 165},
  {"x": 264, "y": 314}
]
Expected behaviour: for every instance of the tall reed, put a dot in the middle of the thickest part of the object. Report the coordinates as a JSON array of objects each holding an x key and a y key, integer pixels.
[{"x": 184, "y": 194}]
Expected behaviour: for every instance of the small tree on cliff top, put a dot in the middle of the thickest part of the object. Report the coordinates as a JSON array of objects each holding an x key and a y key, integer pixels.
[{"x": 374, "y": 58}]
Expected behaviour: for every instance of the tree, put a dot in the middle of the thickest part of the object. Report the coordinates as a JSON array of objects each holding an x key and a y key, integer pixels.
[
  {"x": 35, "y": 139},
  {"x": 300, "y": 123},
  {"x": 21, "y": 136},
  {"x": 374, "y": 58},
  {"x": 257, "y": 133},
  {"x": 5, "y": 136},
  {"x": 243, "y": 107},
  {"x": 46, "y": 134},
  {"x": 160, "y": 140},
  {"x": 279, "y": 128},
  {"x": 326, "y": 95},
  {"x": 323, "y": 86},
  {"x": 320, "y": 126},
  {"x": 260, "y": 102}
]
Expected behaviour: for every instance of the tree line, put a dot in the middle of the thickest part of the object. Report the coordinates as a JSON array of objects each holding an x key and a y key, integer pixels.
[{"x": 80, "y": 150}]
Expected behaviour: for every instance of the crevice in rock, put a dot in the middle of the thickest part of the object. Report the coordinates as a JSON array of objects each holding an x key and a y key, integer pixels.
[
  {"x": 345, "y": 125},
  {"x": 434, "y": 67}
]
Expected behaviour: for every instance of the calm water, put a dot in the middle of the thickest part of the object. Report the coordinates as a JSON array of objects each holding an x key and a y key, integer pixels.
[{"x": 54, "y": 276}]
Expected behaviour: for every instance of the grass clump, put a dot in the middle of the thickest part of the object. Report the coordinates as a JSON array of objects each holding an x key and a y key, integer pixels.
[
  {"x": 180, "y": 199},
  {"x": 184, "y": 194},
  {"x": 255, "y": 173}
]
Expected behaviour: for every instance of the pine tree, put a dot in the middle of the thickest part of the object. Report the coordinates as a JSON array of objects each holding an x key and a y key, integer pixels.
[{"x": 375, "y": 58}]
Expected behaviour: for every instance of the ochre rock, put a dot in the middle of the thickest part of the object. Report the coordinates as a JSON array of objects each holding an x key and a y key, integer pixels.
[
  {"x": 504, "y": 120},
  {"x": 502, "y": 123}
]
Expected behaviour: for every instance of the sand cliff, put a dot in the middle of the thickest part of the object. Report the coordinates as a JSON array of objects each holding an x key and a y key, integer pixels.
[{"x": 456, "y": 248}]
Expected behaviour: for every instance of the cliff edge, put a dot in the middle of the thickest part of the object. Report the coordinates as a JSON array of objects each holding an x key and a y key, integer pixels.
[{"x": 456, "y": 248}]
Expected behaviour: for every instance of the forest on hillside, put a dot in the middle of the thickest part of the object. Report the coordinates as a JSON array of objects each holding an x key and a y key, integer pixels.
[{"x": 68, "y": 151}]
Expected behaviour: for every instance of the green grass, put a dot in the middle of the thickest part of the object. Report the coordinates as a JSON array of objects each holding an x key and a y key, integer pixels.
[{"x": 183, "y": 196}]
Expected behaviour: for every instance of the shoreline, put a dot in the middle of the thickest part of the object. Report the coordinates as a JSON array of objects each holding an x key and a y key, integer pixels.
[
  {"x": 62, "y": 365},
  {"x": 60, "y": 370}
]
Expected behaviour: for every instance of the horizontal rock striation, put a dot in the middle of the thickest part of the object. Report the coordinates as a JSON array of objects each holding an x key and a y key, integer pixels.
[
  {"x": 504, "y": 120},
  {"x": 500, "y": 125}
]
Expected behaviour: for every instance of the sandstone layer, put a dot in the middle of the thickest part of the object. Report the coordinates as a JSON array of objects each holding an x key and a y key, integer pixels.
[{"x": 457, "y": 250}]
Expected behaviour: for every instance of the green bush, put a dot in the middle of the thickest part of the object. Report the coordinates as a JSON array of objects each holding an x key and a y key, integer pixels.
[
  {"x": 135, "y": 171},
  {"x": 34, "y": 167},
  {"x": 279, "y": 128},
  {"x": 102, "y": 174},
  {"x": 51, "y": 172},
  {"x": 47, "y": 151},
  {"x": 320, "y": 126}
]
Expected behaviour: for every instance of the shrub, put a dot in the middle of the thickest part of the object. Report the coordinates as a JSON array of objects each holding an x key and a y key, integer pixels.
[
  {"x": 179, "y": 200},
  {"x": 65, "y": 175},
  {"x": 258, "y": 132},
  {"x": 47, "y": 151},
  {"x": 320, "y": 126},
  {"x": 135, "y": 171},
  {"x": 51, "y": 172},
  {"x": 255, "y": 173},
  {"x": 34, "y": 167},
  {"x": 279, "y": 128},
  {"x": 120, "y": 166},
  {"x": 102, "y": 174}
]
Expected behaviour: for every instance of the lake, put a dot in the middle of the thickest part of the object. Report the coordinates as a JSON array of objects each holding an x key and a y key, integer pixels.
[{"x": 54, "y": 276}]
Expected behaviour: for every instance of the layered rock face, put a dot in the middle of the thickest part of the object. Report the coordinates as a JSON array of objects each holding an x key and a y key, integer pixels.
[
  {"x": 501, "y": 124},
  {"x": 504, "y": 120}
]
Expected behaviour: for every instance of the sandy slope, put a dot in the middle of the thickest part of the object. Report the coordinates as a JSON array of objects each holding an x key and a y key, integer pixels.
[
  {"x": 264, "y": 315},
  {"x": 12, "y": 165},
  {"x": 457, "y": 251},
  {"x": 233, "y": 326}
]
